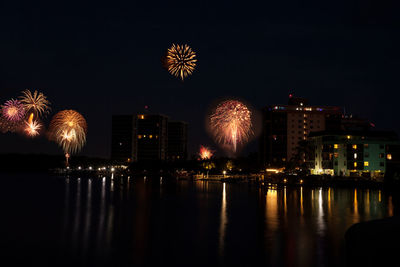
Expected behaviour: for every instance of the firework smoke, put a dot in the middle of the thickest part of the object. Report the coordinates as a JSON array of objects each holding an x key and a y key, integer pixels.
[
  {"x": 9, "y": 126},
  {"x": 68, "y": 128},
  {"x": 231, "y": 124},
  {"x": 180, "y": 60}
]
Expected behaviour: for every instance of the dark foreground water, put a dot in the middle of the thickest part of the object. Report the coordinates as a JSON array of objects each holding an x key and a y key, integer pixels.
[{"x": 55, "y": 221}]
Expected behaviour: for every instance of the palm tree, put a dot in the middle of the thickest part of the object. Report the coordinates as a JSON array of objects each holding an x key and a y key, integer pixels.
[{"x": 208, "y": 165}]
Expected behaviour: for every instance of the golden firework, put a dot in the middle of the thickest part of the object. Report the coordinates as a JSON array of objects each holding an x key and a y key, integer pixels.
[
  {"x": 68, "y": 128},
  {"x": 35, "y": 102},
  {"x": 180, "y": 60},
  {"x": 32, "y": 128},
  {"x": 231, "y": 124}
]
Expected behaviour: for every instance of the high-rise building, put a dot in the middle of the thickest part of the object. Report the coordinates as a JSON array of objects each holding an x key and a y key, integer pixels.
[
  {"x": 284, "y": 126},
  {"x": 150, "y": 137},
  {"x": 145, "y": 137},
  {"x": 177, "y": 140},
  {"x": 121, "y": 138}
]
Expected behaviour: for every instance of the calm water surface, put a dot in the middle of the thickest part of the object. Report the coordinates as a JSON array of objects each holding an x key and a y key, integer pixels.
[{"x": 58, "y": 221}]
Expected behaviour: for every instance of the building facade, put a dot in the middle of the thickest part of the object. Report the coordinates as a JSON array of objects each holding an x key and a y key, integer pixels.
[
  {"x": 353, "y": 153},
  {"x": 177, "y": 141},
  {"x": 147, "y": 137},
  {"x": 150, "y": 137},
  {"x": 284, "y": 126}
]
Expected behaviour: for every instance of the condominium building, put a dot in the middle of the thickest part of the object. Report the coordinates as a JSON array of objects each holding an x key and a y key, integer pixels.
[
  {"x": 177, "y": 141},
  {"x": 150, "y": 137},
  {"x": 353, "y": 153},
  {"x": 284, "y": 126},
  {"x": 147, "y": 137}
]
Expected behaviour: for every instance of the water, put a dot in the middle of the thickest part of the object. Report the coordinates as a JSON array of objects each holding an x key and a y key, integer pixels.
[{"x": 135, "y": 221}]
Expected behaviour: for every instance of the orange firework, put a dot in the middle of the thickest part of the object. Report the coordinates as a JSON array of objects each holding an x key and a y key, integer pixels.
[
  {"x": 68, "y": 128},
  {"x": 205, "y": 153},
  {"x": 180, "y": 60},
  {"x": 231, "y": 124}
]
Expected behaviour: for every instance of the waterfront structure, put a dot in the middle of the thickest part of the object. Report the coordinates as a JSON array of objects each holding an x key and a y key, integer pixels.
[
  {"x": 150, "y": 137},
  {"x": 353, "y": 153},
  {"x": 147, "y": 137},
  {"x": 177, "y": 141},
  {"x": 285, "y": 126},
  {"x": 121, "y": 138}
]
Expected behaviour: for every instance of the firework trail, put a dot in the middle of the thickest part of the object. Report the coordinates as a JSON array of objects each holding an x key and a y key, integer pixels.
[
  {"x": 180, "y": 60},
  {"x": 231, "y": 124},
  {"x": 68, "y": 129},
  {"x": 35, "y": 102},
  {"x": 13, "y": 110},
  {"x": 205, "y": 153}
]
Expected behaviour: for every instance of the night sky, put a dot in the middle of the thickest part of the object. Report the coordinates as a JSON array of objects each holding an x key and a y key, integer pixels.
[{"x": 105, "y": 58}]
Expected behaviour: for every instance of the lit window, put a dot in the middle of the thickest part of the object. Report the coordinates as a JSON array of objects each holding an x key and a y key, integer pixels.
[
  {"x": 141, "y": 117},
  {"x": 366, "y": 163},
  {"x": 355, "y": 155},
  {"x": 150, "y": 136},
  {"x": 144, "y": 136},
  {"x": 389, "y": 156},
  {"x": 139, "y": 136},
  {"x": 354, "y": 146},
  {"x": 355, "y": 164},
  {"x": 336, "y": 146},
  {"x": 348, "y": 137},
  {"x": 156, "y": 136}
]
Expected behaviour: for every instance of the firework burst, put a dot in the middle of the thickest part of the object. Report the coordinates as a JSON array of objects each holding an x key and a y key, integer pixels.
[
  {"x": 68, "y": 128},
  {"x": 205, "y": 153},
  {"x": 230, "y": 124},
  {"x": 35, "y": 102},
  {"x": 32, "y": 128},
  {"x": 13, "y": 110},
  {"x": 180, "y": 60}
]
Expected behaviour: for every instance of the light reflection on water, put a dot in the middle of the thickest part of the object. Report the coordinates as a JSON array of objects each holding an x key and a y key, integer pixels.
[
  {"x": 223, "y": 222},
  {"x": 149, "y": 220}
]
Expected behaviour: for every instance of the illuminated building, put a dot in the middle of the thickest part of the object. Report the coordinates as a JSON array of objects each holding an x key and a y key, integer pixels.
[
  {"x": 284, "y": 126},
  {"x": 150, "y": 137},
  {"x": 353, "y": 153},
  {"x": 121, "y": 138},
  {"x": 177, "y": 140},
  {"x": 147, "y": 137}
]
